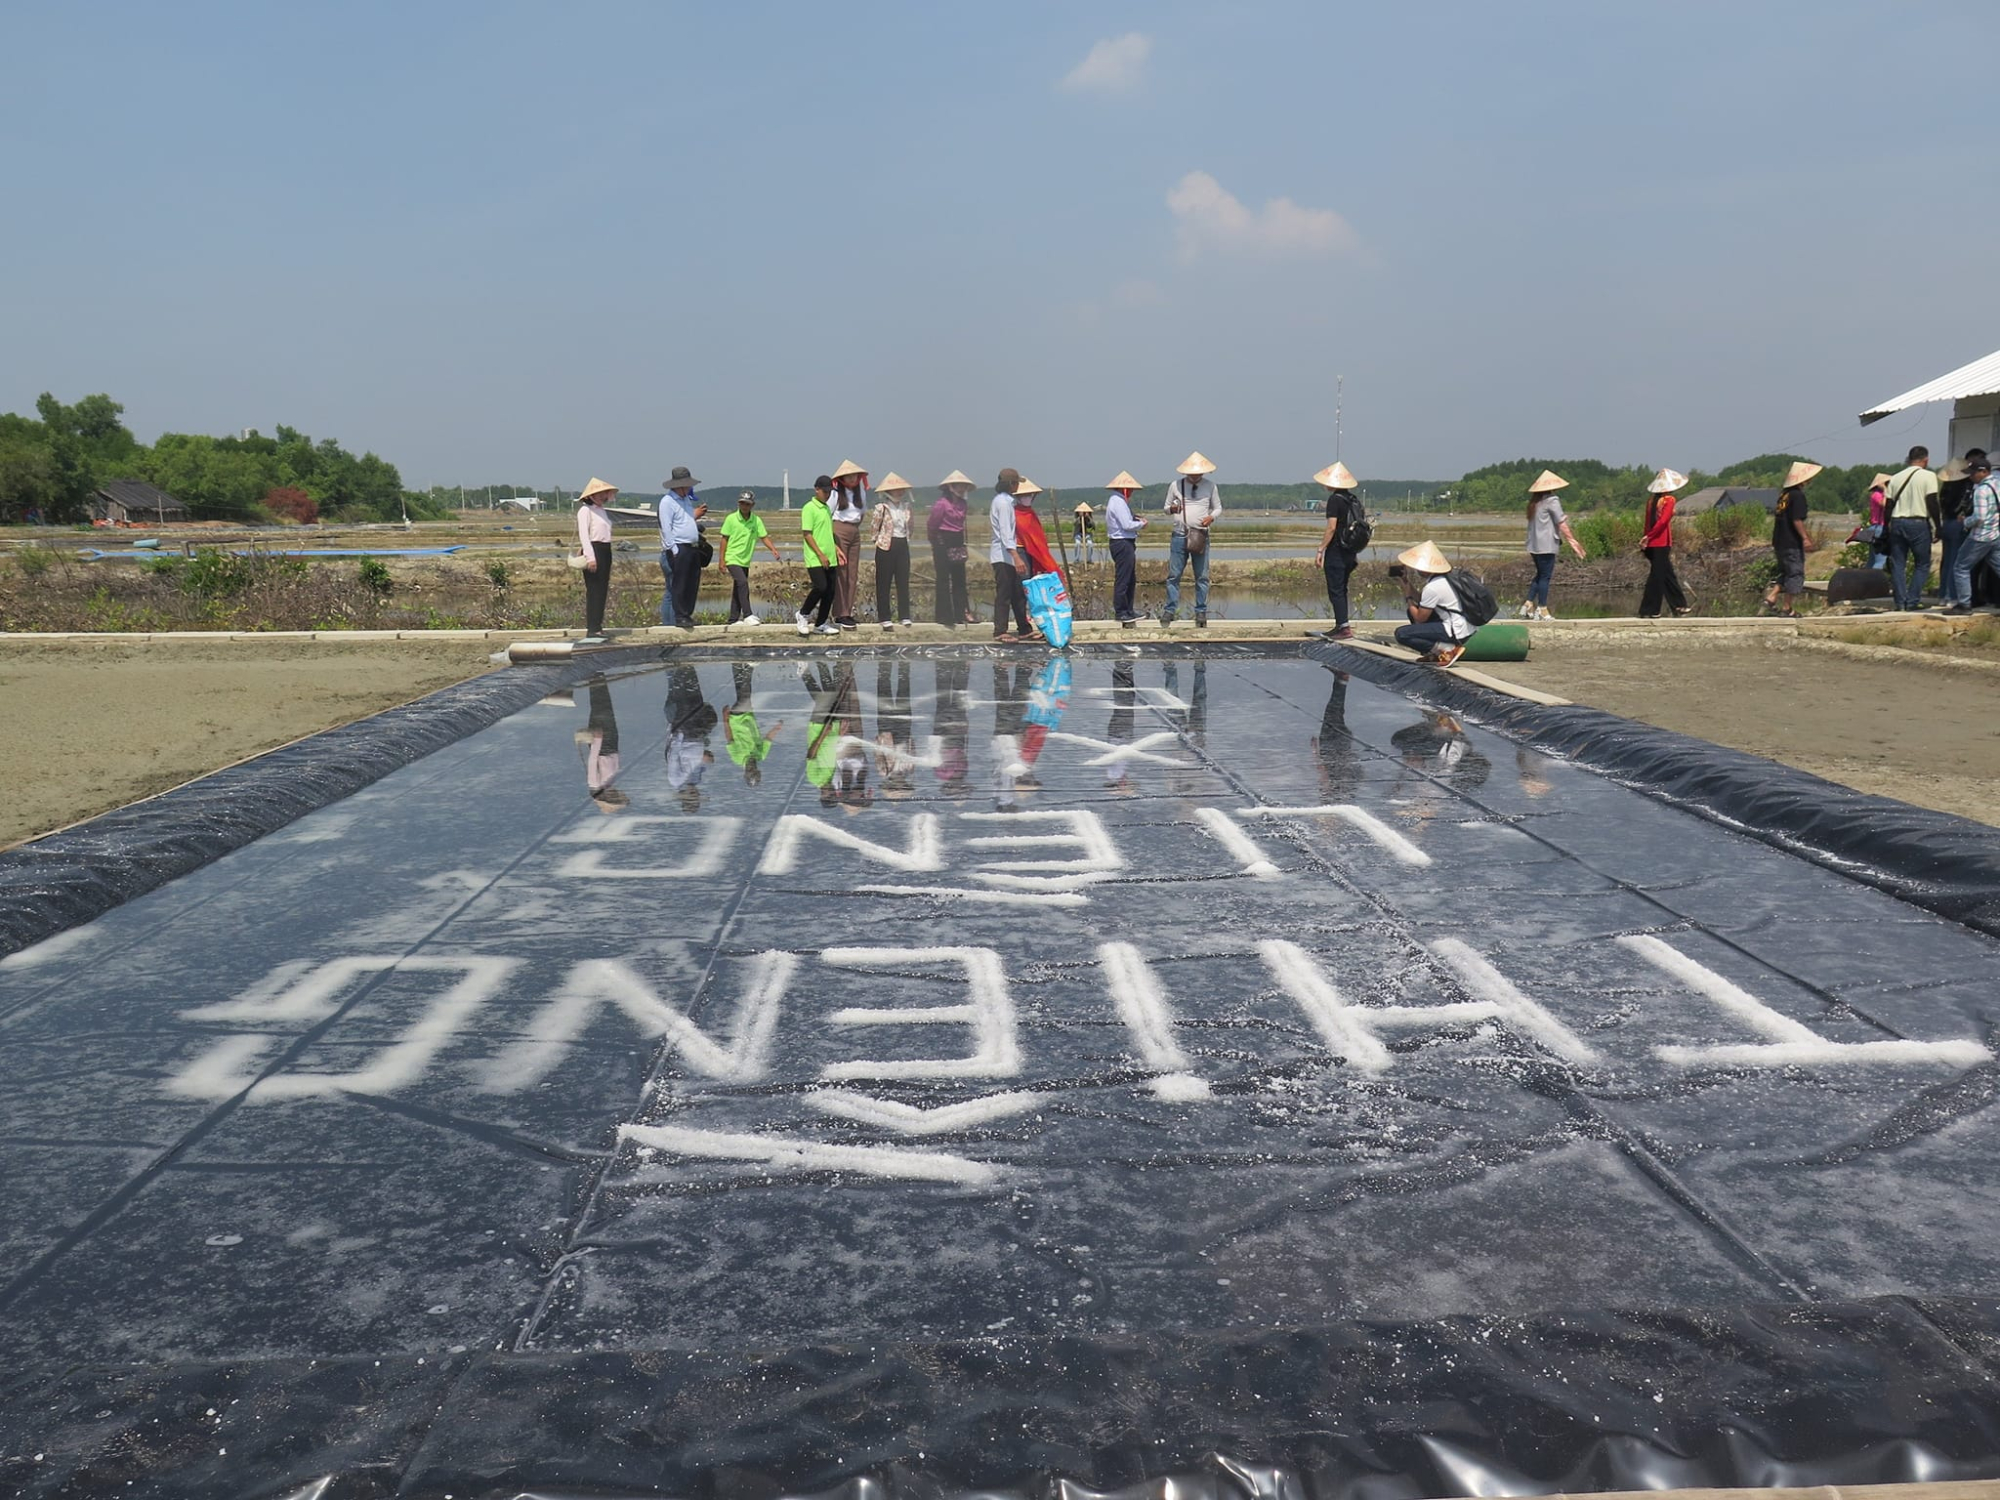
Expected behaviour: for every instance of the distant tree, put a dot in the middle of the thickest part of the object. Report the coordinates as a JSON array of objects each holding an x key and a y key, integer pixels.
[{"x": 289, "y": 504}]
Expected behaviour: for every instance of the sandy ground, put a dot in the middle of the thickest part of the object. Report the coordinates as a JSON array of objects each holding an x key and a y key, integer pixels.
[
  {"x": 1901, "y": 724},
  {"x": 91, "y": 727}
]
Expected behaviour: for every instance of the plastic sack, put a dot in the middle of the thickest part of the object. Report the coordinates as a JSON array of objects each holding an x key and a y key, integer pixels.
[{"x": 1048, "y": 607}]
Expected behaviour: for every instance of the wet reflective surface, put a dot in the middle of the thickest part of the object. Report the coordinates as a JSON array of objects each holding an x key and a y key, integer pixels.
[{"x": 725, "y": 1006}]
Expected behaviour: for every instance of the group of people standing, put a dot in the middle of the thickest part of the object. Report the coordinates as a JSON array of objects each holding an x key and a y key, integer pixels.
[{"x": 1957, "y": 508}]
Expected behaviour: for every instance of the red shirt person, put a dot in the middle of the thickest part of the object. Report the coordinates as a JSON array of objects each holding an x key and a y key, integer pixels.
[
  {"x": 1662, "y": 587},
  {"x": 1029, "y": 536}
]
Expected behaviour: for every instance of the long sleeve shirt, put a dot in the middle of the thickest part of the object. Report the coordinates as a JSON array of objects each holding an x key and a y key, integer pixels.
[
  {"x": 850, "y": 505},
  {"x": 1661, "y": 532},
  {"x": 677, "y": 528},
  {"x": 686, "y": 502},
  {"x": 1984, "y": 523},
  {"x": 1199, "y": 500},
  {"x": 1001, "y": 518},
  {"x": 592, "y": 525},
  {"x": 1119, "y": 522}
]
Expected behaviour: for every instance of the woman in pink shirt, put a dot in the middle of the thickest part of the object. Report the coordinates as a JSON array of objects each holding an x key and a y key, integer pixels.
[
  {"x": 1658, "y": 545},
  {"x": 593, "y": 540}
]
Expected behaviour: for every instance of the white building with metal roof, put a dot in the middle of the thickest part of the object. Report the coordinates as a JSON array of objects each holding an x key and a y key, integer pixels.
[{"x": 1973, "y": 390}]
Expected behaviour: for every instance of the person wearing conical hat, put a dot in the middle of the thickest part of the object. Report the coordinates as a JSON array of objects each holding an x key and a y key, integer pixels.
[
  {"x": 1662, "y": 586},
  {"x": 850, "y": 509},
  {"x": 1791, "y": 541},
  {"x": 1438, "y": 626},
  {"x": 891, "y": 520},
  {"x": 1195, "y": 505},
  {"x": 1875, "y": 525},
  {"x": 1915, "y": 518},
  {"x": 1082, "y": 533},
  {"x": 1121, "y": 530},
  {"x": 593, "y": 539},
  {"x": 945, "y": 526},
  {"x": 1346, "y": 536},
  {"x": 1545, "y": 521}
]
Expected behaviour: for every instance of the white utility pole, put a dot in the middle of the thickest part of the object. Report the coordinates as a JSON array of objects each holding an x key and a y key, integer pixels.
[{"x": 788, "y": 489}]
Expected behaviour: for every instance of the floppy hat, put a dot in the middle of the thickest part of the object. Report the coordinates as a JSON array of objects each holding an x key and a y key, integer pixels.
[
  {"x": 1800, "y": 472},
  {"x": 848, "y": 466},
  {"x": 1548, "y": 482},
  {"x": 1425, "y": 558},
  {"x": 956, "y": 476},
  {"x": 1084, "y": 508},
  {"x": 891, "y": 481},
  {"x": 1336, "y": 476},
  {"x": 597, "y": 487},
  {"x": 1194, "y": 463},
  {"x": 1124, "y": 481},
  {"x": 1027, "y": 487},
  {"x": 1667, "y": 481},
  {"x": 681, "y": 476}
]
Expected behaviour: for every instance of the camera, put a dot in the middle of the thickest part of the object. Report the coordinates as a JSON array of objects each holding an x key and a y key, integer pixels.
[{"x": 1395, "y": 570}]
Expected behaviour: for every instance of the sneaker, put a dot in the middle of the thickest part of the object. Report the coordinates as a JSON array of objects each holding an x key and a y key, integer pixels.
[
  {"x": 749, "y": 620},
  {"x": 843, "y": 625},
  {"x": 1446, "y": 655},
  {"x": 1543, "y": 614},
  {"x": 828, "y": 630},
  {"x": 590, "y": 640},
  {"x": 907, "y": 622},
  {"x": 1201, "y": 619},
  {"x": 1128, "y": 621},
  {"x": 1527, "y": 610},
  {"x": 888, "y": 625},
  {"x": 1343, "y": 633},
  {"x": 1166, "y": 618},
  {"x": 1685, "y": 609},
  {"x": 805, "y": 625}
]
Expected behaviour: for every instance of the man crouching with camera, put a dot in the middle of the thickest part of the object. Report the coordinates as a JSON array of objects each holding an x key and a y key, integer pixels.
[{"x": 1438, "y": 627}]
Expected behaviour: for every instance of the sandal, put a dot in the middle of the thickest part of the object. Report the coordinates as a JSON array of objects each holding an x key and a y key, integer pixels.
[{"x": 1009, "y": 639}]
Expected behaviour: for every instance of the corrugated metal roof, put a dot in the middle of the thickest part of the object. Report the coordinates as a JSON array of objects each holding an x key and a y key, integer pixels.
[{"x": 1980, "y": 378}]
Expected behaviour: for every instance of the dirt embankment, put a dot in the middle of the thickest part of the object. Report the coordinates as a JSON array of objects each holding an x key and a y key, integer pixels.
[{"x": 86, "y": 728}]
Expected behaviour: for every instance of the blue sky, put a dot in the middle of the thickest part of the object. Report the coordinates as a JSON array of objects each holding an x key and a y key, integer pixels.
[{"x": 539, "y": 242}]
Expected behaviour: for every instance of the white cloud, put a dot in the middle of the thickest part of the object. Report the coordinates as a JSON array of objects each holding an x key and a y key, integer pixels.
[
  {"x": 1114, "y": 65},
  {"x": 1137, "y": 293},
  {"x": 1213, "y": 218}
]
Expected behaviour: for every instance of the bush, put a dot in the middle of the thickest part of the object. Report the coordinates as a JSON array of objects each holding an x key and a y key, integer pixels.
[
  {"x": 497, "y": 574},
  {"x": 1609, "y": 533},
  {"x": 374, "y": 575},
  {"x": 1729, "y": 527},
  {"x": 34, "y": 561},
  {"x": 290, "y": 504}
]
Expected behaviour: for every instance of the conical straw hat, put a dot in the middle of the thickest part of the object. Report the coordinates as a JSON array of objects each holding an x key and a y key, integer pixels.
[
  {"x": 1084, "y": 509},
  {"x": 1124, "y": 481},
  {"x": 1800, "y": 472},
  {"x": 956, "y": 476},
  {"x": 891, "y": 481},
  {"x": 1027, "y": 486},
  {"x": 848, "y": 466},
  {"x": 1425, "y": 558},
  {"x": 1879, "y": 480},
  {"x": 1667, "y": 481},
  {"x": 1549, "y": 482},
  {"x": 1194, "y": 463},
  {"x": 1336, "y": 476},
  {"x": 597, "y": 487}
]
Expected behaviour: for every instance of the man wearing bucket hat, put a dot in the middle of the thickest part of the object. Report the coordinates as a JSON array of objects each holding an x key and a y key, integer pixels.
[
  {"x": 680, "y": 555},
  {"x": 1915, "y": 517},
  {"x": 1438, "y": 626},
  {"x": 1121, "y": 530},
  {"x": 1194, "y": 503},
  {"x": 1662, "y": 586}
]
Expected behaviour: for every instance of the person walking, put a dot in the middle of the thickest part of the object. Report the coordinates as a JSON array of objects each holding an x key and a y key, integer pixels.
[
  {"x": 1980, "y": 550},
  {"x": 1346, "y": 535},
  {"x": 593, "y": 540},
  {"x": 740, "y": 535},
  {"x": 945, "y": 526},
  {"x": 1005, "y": 555},
  {"x": 1911, "y": 498},
  {"x": 1082, "y": 532},
  {"x": 1194, "y": 503},
  {"x": 679, "y": 559},
  {"x": 1438, "y": 627},
  {"x": 850, "y": 508},
  {"x": 1791, "y": 541},
  {"x": 820, "y": 552},
  {"x": 686, "y": 588},
  {"x": 891, "y": 521},
  {"x": 1121, "y": 529},
  {"x": 1545, "y": 521},
  {"x": 1662, "y": 585}
]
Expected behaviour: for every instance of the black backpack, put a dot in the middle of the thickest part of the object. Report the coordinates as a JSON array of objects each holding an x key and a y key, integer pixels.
[
  {"x": 1475, "y": 599},
  {"x": 1353, "y": 531}
]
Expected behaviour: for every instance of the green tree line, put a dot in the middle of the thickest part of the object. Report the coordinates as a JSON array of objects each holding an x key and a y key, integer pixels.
[
  {"x": 1594, "y": 485},
  {"x": 52, "y": 463}
]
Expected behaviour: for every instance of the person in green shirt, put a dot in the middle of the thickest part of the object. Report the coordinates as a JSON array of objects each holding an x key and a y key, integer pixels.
[
  {"x": 740, "y": 535},
  {"x": 816, "y": 524},
  {"x": 749, "y": 745}
]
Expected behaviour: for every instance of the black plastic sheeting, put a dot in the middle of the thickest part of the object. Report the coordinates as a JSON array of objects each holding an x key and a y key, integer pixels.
[
  {"x": 1942, "y": 863},
  {"x": 482, "y": 1134},
  {"x": 62, "y": 880}
]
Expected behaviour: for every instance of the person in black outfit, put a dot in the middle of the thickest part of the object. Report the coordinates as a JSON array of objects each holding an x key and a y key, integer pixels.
[{"x": 1340, "y": 548}]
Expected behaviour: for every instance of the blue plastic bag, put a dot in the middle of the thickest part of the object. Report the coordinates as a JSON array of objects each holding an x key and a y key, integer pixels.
[{"x": 1048, "y": 607}]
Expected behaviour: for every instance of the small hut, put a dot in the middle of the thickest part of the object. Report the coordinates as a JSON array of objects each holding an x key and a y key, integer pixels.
[{"x": 133, "y": 502}]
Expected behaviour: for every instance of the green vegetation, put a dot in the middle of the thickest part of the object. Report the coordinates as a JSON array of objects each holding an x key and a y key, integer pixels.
[
  {"x": 374, "y": 576},
  {"x": 51, "y": 465},
  {"x": 1592, "y": 485}
]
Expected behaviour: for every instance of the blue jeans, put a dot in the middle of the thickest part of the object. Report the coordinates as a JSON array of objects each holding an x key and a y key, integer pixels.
[
  {"x": 1951, "y": 535},
  {"x": 1421, "y": 635},
  {"x": 1545, "y": 570},
  {"x": 666, "y": 587},
  {"x": 1177, "y": 561},
  {"x": 1909, "y": 543},
  {"x": 1972, "y": 556}
]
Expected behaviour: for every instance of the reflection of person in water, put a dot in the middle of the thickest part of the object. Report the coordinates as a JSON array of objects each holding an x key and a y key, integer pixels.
[
  {"x": 836, "y": 718},
  {"x": 597, "y": 742},
  {"x": 1439, "y": 747},
  {"x": 748, "y": 745},
  {"x": 690, "y": 721},
  {"x": 1048, "y": 696},
  {"x": 1533, "y": 769},
  {"x": 1124, "y": 701},
  {"x": 952, "y": 729},
  {"x": 1336, "y": 754},
  {"x": 895, "y": 730},
  {"x": 1192, "y": 722},
  {"x": 1010, "y": 708}
]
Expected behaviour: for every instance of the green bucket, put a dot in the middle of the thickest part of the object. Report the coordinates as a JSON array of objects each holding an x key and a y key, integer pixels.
[{"x": 1498, "y": 642}]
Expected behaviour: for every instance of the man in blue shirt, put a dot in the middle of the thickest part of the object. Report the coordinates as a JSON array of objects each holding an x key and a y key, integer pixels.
[
  {"x": 686, "y": 590},
  {"x": 680, "y": 558},
  {"x": 1122, "y": 527},
  {"x": 1005, "y": 556},
  {"x": 1980, "y": 551}
]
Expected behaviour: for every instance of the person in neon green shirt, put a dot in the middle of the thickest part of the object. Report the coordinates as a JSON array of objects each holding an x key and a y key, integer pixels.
[
  {"x": 816, "y": 523},
  {"x": 740, "y": 535},
  {"x": 748, "y": 745}
]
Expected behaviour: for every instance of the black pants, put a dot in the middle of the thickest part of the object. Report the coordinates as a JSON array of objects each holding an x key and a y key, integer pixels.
[
  {"x": 950, "y": 575},
  {"x": 1661, "y": 583},
  {"x": 1008, "y": 595},
  {"x": 739, "y": 591},
  {"x": 1338, "y": 565},
  {"x": 1125, "y": 577},
  {"x": 892, "y": 565},
  {"x": 686, "y": 589},
  {"x": 596, "y": 588},
  {"x": 820, "y": 595}
]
